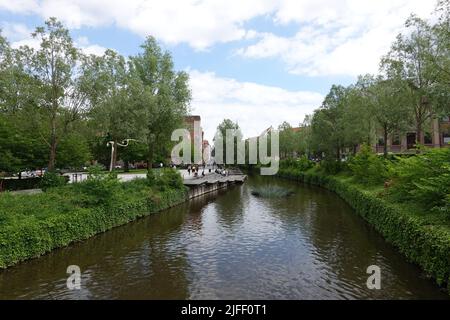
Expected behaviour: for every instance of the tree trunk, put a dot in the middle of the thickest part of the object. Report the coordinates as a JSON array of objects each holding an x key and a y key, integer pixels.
[
  {"x": 385, "y": 141},
  {"x": 419, "y": 138},
  {"x": 51, "y": 163},
  {"x": 150, "y": 159},
  {"x": 126, "y": 166},
  {"x": 338, "y": 154},
  {"x": 53, "y": 143}
]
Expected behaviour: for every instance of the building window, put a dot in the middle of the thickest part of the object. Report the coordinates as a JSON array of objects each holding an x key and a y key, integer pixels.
[
  {"x": 396, "y": 140},
  {"x": 446, "y": 137},
  {"x": 427, "y": 138}
]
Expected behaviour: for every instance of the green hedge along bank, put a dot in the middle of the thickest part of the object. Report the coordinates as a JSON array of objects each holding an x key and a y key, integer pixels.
[{"x": 32, "y": 225}]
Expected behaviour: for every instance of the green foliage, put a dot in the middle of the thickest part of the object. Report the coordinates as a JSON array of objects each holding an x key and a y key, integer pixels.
[
  {"x": 163, "y": 99},
  {"x": 52, "y": 180},
  {"x": 290, "y": 140},
  {"x": 330, "y": 166},
  {"x": 367, "y": 167},
  {"x": 169, "y": 179},
  {"x": 73, "y": 152},
  {"x": 20, "y": 149},
  {"x": 32, "y": 225},
  {"x": 99, "y": 187},
  {"x": 271, "y": 191},
  {"x": 235, "y": 134},
  {"x": 423, "y": 179},
  {"x": 328, "y": 123},
  {"x": 302, "y": 163},
  {"x": 151, "y": 177},
  {"x": 20, "y": 184},
  {"x": 56, "y": 100}
]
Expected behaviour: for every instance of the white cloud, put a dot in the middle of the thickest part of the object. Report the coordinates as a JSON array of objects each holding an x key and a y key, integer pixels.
[
  {"x": 201, "y": 23},
  {"x": 20, "y": 35},
  {"x": 255, "y": 107},
  {"x": 88, "y": 48},
  {"x": 336, "y": 37}
]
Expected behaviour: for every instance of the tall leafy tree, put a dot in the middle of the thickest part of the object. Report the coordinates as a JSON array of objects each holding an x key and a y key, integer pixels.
[
  {"x": 165, "y": 100},
  {"x": 386, "y": 99},
  {"x": 234, "y": 133},
  {"x": 409, "y": 59},
  {"x": 288, "y": 140},
  {"x": 440, "y": 57},
  {"x": 440, "y": 33},
  {"x": 328, "y": 123},
  {"x": 54, "y": 65},
  {"x": 116, "y": 98}
]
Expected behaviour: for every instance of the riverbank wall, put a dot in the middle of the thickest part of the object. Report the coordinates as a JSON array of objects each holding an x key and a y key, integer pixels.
[
  {"x": 212, "y": 183},
  {"x": 424, "y": 245}
]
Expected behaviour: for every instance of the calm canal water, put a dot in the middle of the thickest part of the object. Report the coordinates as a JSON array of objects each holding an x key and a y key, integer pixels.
[{"x": 230, "y": 245}]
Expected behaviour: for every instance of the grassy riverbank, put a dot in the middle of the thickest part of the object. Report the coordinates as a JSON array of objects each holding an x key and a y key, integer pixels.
[
  {"x": 422, "y": 236},
  {"x": 32, "y": 225}
]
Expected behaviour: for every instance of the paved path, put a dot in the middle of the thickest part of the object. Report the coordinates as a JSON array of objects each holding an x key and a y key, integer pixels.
[
  {"x": 29, "y": 191},
  {"x": 214, "y": 178},
  {"x": 81, "y": 176},
  {"x": 189, "y": 179}
]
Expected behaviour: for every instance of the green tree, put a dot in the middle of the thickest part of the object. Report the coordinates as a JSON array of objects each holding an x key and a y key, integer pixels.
[
  {"x": 19, "y": 148},
  {"x": 328, "y": 123},
  {"x": 409, "y": 59},
  {"x": 116, "y": 102},
  {"x": 234, "y": 133},
  {"x": 439, "y": 57},
  {"x": 54, "y": 66},
  {"x": 288, "y": 140},
  {"x": 387, "y": 103},
  {"x": 73, "y": 151},
  {"x": 165, "y": 98}
]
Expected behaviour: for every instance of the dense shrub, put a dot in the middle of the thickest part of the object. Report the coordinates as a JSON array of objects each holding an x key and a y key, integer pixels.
[
  {"x": 151, "y": 177},
  {"x": 331, "y": 166},
  {"x": 169, "y": 178},
  {"x": 98, "y": 188},
  {"x": 19, "y": 184},
  {"x": 302, "y": 163},
  {"x": 423, "y": 179},
  {"x": 52, "y": 180},
  {"x": 367, "y": 167}
]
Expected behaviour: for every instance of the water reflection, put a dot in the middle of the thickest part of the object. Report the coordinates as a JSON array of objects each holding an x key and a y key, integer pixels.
[{"x": 229, "y": 245}]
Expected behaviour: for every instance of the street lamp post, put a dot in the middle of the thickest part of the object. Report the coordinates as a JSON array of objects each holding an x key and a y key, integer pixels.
[{"x": 113, "y": 146}]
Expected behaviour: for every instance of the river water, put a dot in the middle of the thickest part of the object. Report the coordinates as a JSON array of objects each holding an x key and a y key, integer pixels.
[{"x": 230, "y": 245}]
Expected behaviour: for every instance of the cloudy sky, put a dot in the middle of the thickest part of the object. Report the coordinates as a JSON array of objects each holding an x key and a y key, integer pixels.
[{"x": 257, "y": 62}]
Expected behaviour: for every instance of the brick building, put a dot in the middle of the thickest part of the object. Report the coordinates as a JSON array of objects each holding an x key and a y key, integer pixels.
[{"x": 436, "y": 134}]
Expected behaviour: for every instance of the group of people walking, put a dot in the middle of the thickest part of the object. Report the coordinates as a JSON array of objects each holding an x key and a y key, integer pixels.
[
  {"x": 195, "y": 171},
  {"x": 223, "y": 172}
]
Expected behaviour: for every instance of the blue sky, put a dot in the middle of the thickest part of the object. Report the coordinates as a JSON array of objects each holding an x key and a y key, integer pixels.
[{"x": 258, "y": 62}]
